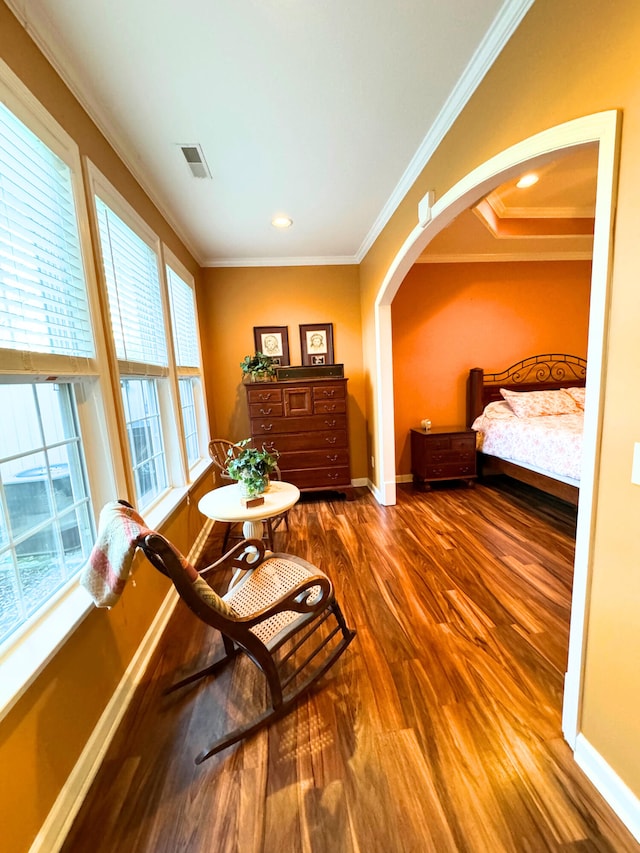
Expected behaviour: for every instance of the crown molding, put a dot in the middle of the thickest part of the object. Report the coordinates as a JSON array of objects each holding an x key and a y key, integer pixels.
[
  {"x": 503, "y": 27},
  {"x": 504, "y": 212},
  {"x": 548, "y": 213},
  {"x": 487, "y": 215},
  {"x": 484, "y": 258},
  {"x": 338, "y": 260}
]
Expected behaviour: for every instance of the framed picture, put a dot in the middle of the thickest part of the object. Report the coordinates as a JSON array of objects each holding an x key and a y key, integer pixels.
[
  {"x": 273, "y": 341},
  {"x": 316, "y": 343}
]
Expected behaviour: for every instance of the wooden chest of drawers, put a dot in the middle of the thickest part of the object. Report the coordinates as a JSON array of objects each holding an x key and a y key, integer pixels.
[
  {"x": 443, "y": 453},
  {"x": 305, "y": 420}
]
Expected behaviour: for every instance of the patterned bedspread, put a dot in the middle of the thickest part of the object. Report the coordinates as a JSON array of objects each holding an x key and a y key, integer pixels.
[{"x": 551, "y": 445}]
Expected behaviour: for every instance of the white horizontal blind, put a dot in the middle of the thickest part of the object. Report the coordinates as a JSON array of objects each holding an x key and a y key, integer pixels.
[
  {"x": 131, "y": 272},
  {"x": 183, "y": 319},
  {"x": 43, "y": 300},
  {"x": 189, "y": 418}
]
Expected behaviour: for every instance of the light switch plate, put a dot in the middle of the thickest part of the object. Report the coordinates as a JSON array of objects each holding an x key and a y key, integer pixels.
[{"x": 635, "y": 468}]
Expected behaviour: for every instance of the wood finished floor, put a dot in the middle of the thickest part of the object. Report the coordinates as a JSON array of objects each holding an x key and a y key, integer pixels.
[{"x": 438, "y": 731}]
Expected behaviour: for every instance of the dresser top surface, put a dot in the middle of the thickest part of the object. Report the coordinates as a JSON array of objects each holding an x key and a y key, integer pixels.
[{"x": 307, "y": 380}]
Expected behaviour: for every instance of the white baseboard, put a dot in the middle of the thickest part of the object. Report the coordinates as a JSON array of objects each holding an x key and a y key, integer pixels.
[
  {"x": 67, "y": 805},
  {"x": 68, "y": 802},
  {"x": 621, "y": 799},
  {"x": 374, "y": 491}
]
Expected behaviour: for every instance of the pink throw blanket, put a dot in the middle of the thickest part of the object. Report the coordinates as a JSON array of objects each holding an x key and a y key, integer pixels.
[{"x": 105, "y": 574}]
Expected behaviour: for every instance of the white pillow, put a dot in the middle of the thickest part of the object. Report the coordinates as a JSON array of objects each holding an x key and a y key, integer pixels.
[{"x": 536, "y": 404}]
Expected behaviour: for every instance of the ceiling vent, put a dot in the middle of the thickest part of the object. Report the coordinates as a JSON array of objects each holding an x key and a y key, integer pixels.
[{"x": 195, "y": 160}]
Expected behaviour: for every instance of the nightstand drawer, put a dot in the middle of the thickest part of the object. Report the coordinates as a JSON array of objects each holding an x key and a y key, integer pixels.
[
  {"x": 450, "y": 471},
  {"x": 464, "y": 443},
  {"x": 438, "y": 456},
  {"x": 449, "y": 442},
  {"x": 436, "y": 442}
]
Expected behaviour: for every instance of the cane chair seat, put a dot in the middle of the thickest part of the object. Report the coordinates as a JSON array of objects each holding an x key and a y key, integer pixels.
[{"x": 271, "y": 580}]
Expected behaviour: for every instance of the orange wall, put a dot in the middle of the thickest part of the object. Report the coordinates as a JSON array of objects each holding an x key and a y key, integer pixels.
[
  {"x": 448, "y": 318},
  {"x": 232, "y": 301}
]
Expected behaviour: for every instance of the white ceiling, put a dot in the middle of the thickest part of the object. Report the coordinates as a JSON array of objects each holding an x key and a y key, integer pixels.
[{"x": 325, "y": 110}]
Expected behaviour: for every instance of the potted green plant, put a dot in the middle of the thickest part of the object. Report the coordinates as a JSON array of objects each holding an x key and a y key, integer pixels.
[
  {"x": 251, "y": 466},
  {"x": 258, "y": 367}
]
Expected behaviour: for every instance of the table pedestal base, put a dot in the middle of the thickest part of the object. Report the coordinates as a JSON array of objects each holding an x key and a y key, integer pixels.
[{"x": 252, "y": 529}]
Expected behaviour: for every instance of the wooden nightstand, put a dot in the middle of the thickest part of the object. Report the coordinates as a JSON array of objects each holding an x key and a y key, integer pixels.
[{"x": 443, "y": 453}]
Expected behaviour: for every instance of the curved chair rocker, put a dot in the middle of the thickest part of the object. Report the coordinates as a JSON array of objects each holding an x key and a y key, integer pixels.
[
  {"x": 221, "y": 452},
  {"x": 275, "y": 605}
]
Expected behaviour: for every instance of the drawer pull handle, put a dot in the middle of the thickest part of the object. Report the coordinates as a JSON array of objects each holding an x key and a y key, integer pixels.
[
  {"x": 333, "y": 476},
  {"x": 266, "y": 411},
  {"x": 332, "y": 457},
  {"x": 331, "y": 408},
  {"x": 264, "y": 396},
  {"x": 331, "y": 423},
  {"x": 329, "y": 393},
  {"x": 266, "y": 427},
  {"x": 331, "y": 439}
]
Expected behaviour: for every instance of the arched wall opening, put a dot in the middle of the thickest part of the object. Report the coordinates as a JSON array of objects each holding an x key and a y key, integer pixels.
[{"x": 602, "y": 128}]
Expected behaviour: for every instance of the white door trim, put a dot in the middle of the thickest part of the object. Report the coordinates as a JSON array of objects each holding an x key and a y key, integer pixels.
[{"x": 604, "y": 129}]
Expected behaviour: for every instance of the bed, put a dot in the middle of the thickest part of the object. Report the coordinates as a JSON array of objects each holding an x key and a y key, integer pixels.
[{"x": 532, "y": 437}]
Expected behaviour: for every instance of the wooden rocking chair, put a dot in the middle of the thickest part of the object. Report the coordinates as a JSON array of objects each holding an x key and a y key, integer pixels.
[{"x": 273, "y": 611}]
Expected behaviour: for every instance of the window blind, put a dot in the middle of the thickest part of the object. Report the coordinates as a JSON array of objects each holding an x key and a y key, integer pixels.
[
  {"x": 183, "y": 319},
  {"x": 43, "y": 298},
  {"x": 133, "y": 285}
]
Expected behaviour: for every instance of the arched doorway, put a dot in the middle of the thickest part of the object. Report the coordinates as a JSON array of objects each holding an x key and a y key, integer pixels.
[{"x": 602, "y": 128}]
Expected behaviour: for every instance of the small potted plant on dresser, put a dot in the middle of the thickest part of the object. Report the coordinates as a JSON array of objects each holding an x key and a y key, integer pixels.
[
  {"x": 257, "y": 368},
  {"x": 251, "y": 467}
]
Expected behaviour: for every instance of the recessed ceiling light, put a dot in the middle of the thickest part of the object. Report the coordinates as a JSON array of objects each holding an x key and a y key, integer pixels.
[
  {"x": 282, "y": 222},
  {"x": 527, "y": 181}
]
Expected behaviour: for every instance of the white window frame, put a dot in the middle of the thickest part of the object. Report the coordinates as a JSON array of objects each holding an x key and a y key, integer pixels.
[
  {"x": 179, "y": 478},
  {"x": 99, "y": 404},
  {"x": 27, "y": 651},
  {"x": 101, "y": 187},
  {"x": 181, "y": 372}
]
